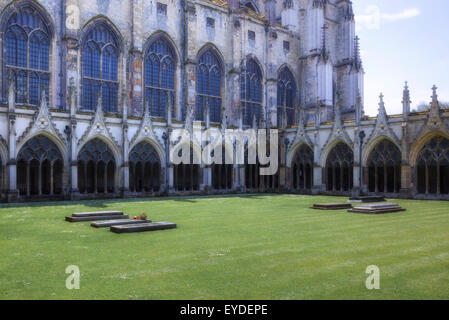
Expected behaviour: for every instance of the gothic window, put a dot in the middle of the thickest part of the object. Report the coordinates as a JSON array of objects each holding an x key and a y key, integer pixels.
[
  {"x": 384, "y": 168},
  {"x": 27, "y": 54},
  {"x": 144, "y": 169},
  {"x": 209, "y": 86},
  {"x": 100, "y": 55},
  {"x": 339, "y": 168},
  {"x": 251, "y": 92},
  {"x": 186, "y": 176},
  {"x": 159, "y": 76},
  {"x": 286, "y": 96},
  {"x": 96, "y": 168},
  {"x": 39, "y": 168},
  {"x": 302, "y": 169},
  {"x": 433, "y": 167}
]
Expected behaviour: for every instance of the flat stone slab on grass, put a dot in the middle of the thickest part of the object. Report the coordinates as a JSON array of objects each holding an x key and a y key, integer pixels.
[
  {"x": 368, "y": 199},
  {"x": 97, "y": 213},
  {"x": 332, "y": 206},
  {"x": 143, "y": 227},
  {"x": 110, "y": 223},
  {"x": 95, "y": 218},
  {"x": 377, "y": 208}
]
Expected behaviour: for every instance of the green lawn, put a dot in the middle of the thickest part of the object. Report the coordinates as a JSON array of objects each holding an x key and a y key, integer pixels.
[{"x": 235, "y": 247}]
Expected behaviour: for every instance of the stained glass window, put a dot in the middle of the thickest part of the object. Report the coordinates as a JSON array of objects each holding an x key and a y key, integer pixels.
[
  {"x": 159, "y": 76},
  {"x": 209, "y": 86},
  {"x": 286, "y": 96},
  {"x": 27, "y": 46},
  {"x": 251, "y": 91},
  {"x": 100, "y": 65}
]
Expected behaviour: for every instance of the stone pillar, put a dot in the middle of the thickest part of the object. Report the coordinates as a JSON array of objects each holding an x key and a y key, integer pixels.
[
  {"x": 271, "y": 88},
  {"x": 12, "y": 193},
  {"x": 74, "y": 167},
  {"x": 318, "y": 185},
  {"x": 124, "y": 169},
  {"x": 317, "y": 179},
  {"x": 407, "y": 185},
  {"x": 356, "y": 168}
]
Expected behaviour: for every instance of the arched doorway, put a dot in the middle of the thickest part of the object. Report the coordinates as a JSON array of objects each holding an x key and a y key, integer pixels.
[
  {"x": 339, "y": 168},
  {"x": 144, "y": 169},
  {"x": 433, "y": 167},
  {"x": 384, "y": 168},
  {"x": 39, "y": 168},
  {"x": 96, "y": 168},
  {"x": 302, "y": 169}
]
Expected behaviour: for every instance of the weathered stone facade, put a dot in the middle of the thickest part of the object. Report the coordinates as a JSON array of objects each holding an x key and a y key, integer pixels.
[{"x": 302, "y": 74}]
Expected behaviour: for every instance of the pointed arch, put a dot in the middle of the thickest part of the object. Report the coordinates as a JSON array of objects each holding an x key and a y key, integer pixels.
[
  {"x": 145, "y": 165},
  {"x": 97, "y": 166},
  {"x": 251, "y": 89},
  {"x": 432, "y": 165},
  {"x": 302, "y": 168},
  {"x": 154, "y": 144},
  {"x": 373, "y": 143},
  {"x": 40, "y": 164},
  {"x": 419, "y": 144},
  {"x": 209, "y": 84},
  {"x": 28, "y": 31},
  {"x": 61, "y": 145},
  {"x": 383, "y": 166},
  {"x": 339, "y": 167},
  {"x": 286, "y": 95},
  {"x": 292, "y": 152},
  {"x": 160, "y": 63},
  {"x": 102, "y": 47},
  {"x": 107, "y": 141}
]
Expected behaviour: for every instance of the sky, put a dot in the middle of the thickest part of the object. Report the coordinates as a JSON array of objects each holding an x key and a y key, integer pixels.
[{"x": 403, "y": 40}]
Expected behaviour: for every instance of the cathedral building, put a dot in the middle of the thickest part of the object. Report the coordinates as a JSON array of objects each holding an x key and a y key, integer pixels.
[{"x": 90, "y": 92}]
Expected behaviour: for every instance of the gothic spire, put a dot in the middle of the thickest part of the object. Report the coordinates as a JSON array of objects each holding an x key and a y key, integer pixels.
[
  {"x": 324, "y": 51},
  {"x": 406, "y": 100},
  {"x": 356, "y": 61},
  {"x": 349, "y": 12},
  {"x": 382, "y": 111},
  {"x": 435, "y": 106}
]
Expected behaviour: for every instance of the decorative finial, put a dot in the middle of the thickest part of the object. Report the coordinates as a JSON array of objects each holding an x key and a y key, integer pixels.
[
  {"x": 434, "y": 93},
  {"x": 323, "y": 41},
  {"x": 381, "y": 98},
  {"x": 357, "y": 60}
]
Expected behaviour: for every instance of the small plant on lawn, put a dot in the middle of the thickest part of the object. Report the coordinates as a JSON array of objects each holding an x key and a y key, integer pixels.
[{"x": 143, "y": 216}]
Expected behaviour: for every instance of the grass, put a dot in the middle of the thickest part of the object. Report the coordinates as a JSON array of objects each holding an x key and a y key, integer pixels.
[{"x": 229, "y": 247}]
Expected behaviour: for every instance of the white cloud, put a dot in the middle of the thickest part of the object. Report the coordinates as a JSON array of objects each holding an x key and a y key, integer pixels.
[
  {"x": 373, "y": 17},
  {"x": 405, "y": 14}
]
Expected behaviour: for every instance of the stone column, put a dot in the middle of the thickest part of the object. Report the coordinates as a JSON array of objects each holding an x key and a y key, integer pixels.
[
  {"x": 271, "y": 88},
  {"x": 12, "y": 193},
  {"x": 407, "y": 185},
  {"x": 124, "y": 169},
  {"x": 318, "y": 185},
  {"x": 356, "y": 168}
]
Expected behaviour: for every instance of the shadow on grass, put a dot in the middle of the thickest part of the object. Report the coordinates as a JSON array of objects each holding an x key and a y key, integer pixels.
[{"x": 105, "y": 203}]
